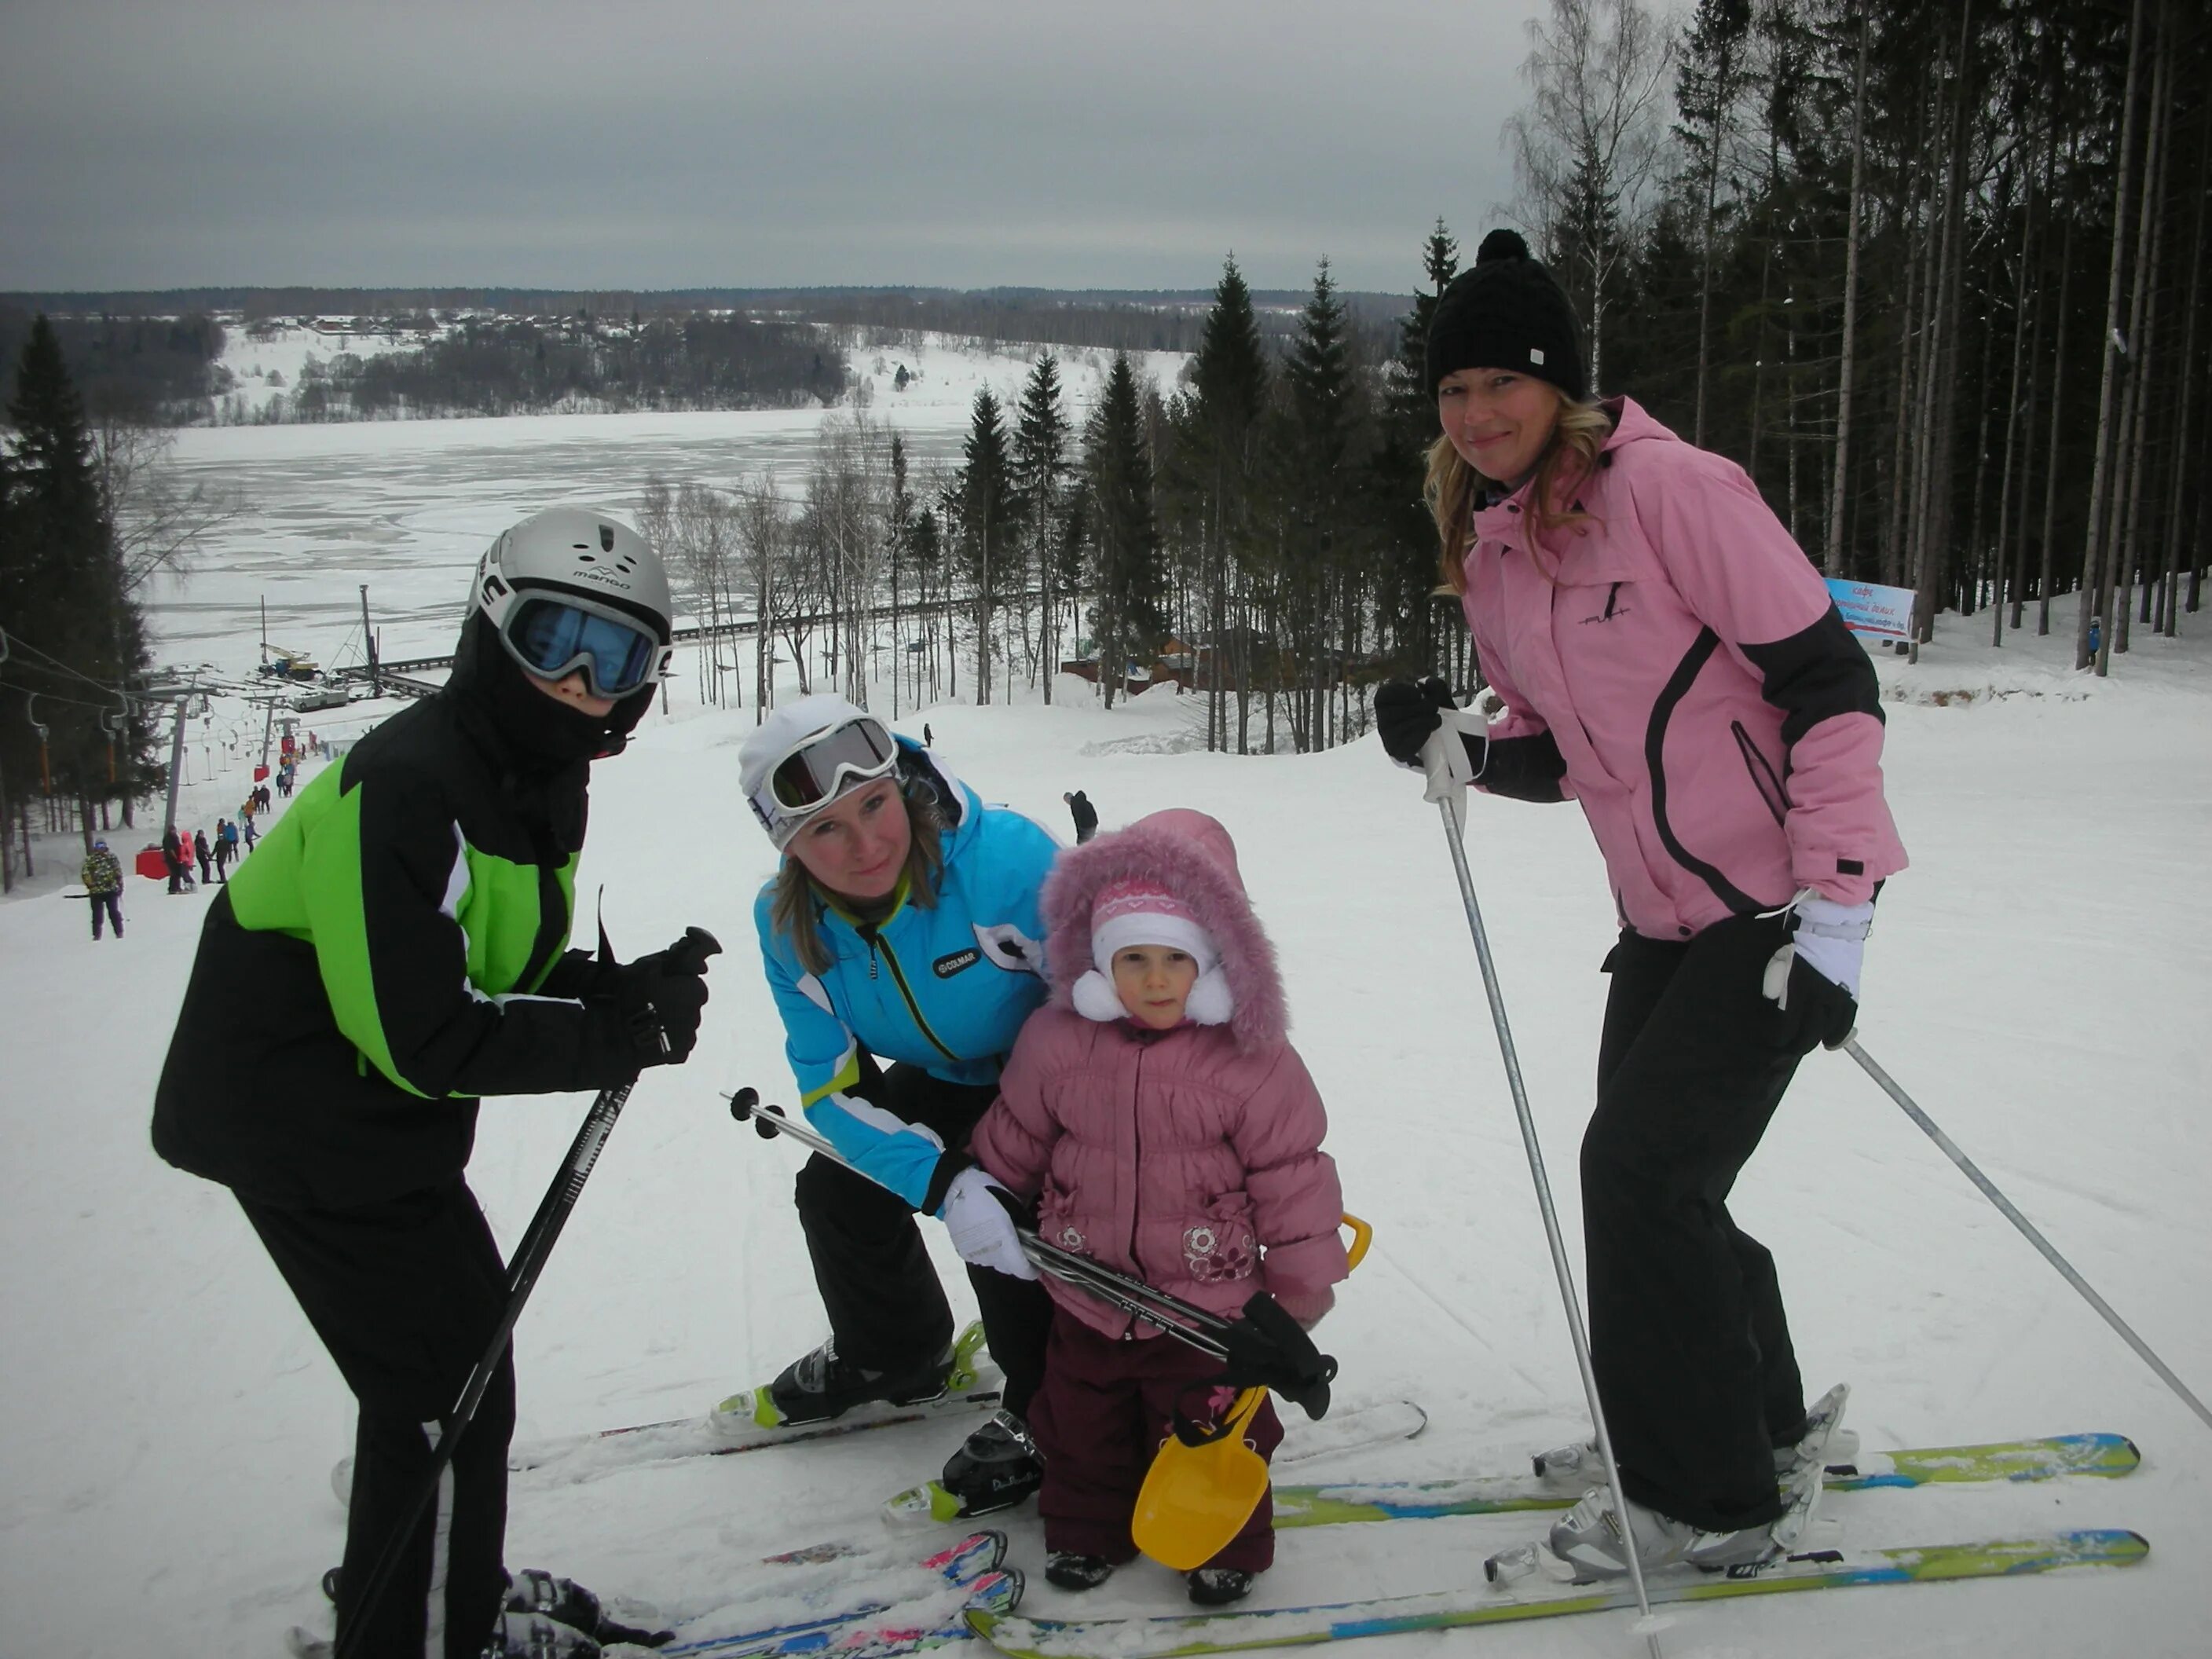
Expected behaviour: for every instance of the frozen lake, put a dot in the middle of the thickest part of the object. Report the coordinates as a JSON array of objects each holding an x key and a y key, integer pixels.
[{"x": 407, "y": 507}]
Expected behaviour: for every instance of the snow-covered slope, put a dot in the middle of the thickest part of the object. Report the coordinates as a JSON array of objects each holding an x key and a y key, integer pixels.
[{"x": 2038, "y": 979}]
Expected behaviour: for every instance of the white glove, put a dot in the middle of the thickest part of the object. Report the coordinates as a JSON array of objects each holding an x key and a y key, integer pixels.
[
  {"x": 1830, "y": 940},
  {"x": 982, "y": 1226}
]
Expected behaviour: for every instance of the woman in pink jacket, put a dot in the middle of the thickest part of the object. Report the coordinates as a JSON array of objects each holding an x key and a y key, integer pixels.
[
  {"x": 1668, "y": 657},
  {"x": 1156, "y": 1111}
]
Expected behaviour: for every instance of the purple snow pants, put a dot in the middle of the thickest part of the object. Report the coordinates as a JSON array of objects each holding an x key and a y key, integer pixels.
[{"x": 1105, "y": 1408}]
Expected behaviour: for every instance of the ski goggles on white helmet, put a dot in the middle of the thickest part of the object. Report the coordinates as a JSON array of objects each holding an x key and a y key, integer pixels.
[
  {"x": 554, "y": 635},
  {"x": 819, "y": 768}
]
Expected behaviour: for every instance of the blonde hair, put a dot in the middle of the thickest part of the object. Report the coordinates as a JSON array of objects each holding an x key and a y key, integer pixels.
[
  {"x": 795, "y": 912},
  {"x": 1578, "y": 434}
]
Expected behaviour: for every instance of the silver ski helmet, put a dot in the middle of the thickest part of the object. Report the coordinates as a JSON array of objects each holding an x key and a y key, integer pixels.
[{"x": 575, "y": 588}]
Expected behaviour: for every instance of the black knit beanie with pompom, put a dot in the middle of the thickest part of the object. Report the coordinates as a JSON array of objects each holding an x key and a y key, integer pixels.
[{"x": 1507, "y": 312}]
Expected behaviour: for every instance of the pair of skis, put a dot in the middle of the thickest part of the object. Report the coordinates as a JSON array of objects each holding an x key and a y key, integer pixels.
[
  {"x": 1175, "y": 1636},
  {"x": 977, "y": 1595}
]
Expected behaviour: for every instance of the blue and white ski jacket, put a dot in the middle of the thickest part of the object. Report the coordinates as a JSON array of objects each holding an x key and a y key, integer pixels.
[{"x": 945, "y": 988}]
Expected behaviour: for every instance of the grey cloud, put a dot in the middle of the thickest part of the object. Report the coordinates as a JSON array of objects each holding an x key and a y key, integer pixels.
[{"x": 673, "y": 144}]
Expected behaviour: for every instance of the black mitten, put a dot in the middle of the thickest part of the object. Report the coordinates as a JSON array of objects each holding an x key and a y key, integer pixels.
[{"x": 1406, "y": 712}]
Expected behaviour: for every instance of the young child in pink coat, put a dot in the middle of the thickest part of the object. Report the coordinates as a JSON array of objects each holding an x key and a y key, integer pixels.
[{"x": 1156, "y": 1111}]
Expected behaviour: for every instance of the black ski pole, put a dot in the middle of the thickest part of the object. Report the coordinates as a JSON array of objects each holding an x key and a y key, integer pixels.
[
  {"x": 1265, "y": 1339},
  {"x": 553, "y": 1212}
]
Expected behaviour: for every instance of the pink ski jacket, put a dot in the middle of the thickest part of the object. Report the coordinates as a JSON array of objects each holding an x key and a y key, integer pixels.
[
  {"x": 1190, "y": 1159},
  {"x": 1679, "y": 668}
]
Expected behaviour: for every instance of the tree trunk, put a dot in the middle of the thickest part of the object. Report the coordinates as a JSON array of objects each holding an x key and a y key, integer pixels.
[
  {"x": 2020, "y": 333},
  {"x": 2049, "y": 573},
  {"x": 2093, "y": 576},
  {"x": 2135, "y": 386},
  {"x": 1835, "y": 552},
  {"x": 2169, "y": 587}
]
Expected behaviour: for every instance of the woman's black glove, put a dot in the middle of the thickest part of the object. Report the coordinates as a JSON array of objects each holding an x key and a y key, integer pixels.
[{"x": 1406, "y": 712}]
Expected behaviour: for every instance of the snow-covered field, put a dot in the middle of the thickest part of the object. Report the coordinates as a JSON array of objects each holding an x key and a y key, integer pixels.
[{"x": 2038, "y": 979}]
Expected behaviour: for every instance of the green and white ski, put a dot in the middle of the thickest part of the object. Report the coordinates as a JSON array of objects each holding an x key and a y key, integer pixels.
[
  {"x": 1174, "y": 1637},
  {"x": 2050, "y": 1459}
]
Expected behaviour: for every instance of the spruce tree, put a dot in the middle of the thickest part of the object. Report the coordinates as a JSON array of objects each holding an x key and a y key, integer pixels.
[
  {"x": 1230, "y": 375},
  {"x": 1039, "y": 475},
  {"x": 1405, "y": 565},
  {"x": 1321, "y": 592},
  {"x": 984, "y": 488},
  {"x": 61, "y": 591},
  {"x": 1129, "y": 614}
]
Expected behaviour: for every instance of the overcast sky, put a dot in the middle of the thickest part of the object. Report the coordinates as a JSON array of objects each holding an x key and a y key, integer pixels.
[{"x": 663, "y": 143}]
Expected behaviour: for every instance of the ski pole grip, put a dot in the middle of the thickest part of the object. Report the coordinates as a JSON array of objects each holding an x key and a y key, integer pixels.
[
  {"x": 689, "y": 954},
  {"x": 1362, "y": 1236}
]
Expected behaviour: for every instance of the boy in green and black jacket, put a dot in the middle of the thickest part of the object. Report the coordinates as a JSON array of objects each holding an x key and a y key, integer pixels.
[{"x": 404, "y": 929}]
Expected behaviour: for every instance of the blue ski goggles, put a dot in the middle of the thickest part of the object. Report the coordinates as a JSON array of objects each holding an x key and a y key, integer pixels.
[{"x": 555, "y": 637}]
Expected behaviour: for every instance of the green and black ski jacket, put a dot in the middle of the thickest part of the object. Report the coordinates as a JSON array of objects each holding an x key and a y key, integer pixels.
[{"x": 393, "y": 949}]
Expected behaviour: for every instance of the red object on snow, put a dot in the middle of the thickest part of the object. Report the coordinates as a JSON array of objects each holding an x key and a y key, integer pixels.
[
  {"x": 260, "y": 773},
  {"x": 150, "y": 863}
]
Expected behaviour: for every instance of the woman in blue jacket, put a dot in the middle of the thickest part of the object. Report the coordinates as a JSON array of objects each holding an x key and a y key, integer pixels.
[{"x": 902, "y": 943}]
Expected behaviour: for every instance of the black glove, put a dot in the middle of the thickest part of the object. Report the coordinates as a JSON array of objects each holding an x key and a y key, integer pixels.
[
  {"x": 1268, "y": 1348},
  {"x": 1820, "y": 1011},
  {"x": 1406, "y": 712},
  {"x": 659, "y": 998}
]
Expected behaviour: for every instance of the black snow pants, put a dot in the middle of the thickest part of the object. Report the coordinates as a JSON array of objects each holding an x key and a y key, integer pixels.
[
  {"x": 111, "y": 906},
  {"x": 1687, "y": 1335},
  {"x": 406, "y": 1294},
  {"x": 886, "y": 1309}
]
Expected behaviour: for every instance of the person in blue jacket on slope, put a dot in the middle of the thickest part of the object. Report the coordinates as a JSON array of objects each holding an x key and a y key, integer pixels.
[{"x": 902, "y": 943}]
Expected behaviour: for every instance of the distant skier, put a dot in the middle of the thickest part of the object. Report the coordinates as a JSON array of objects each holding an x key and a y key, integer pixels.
[
  {"x": 225, "y": 848},
  {"x": 103, "y": 883},
  {"x": 928, "y": 738},
  {"x": 1084, "y": 814},
  {"x": 896, "y": 874},
  {"x": 205, "y": 855},
  {"x": 1173, "y": 1134},
  {"x": 247, "y": 830},
  {"x": 1667, "y": 654},
  {"x": 404, "y": 942},
  {"x": 173, "y": 858}
]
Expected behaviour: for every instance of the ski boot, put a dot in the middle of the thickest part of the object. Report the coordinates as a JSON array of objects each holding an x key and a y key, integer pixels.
[
  {"x": 823, "y": 1384},
  {"x": 533, "y": 1636},
  {"x": 1217, "y": 1587},
  {"x": 1577, "y": 1466},
  {"x": 567, "y": 1602},
  {"x": 1588, "y": 1539},
  {"x": 995, "y": 1468},
  {"x": 1071, "y": 1571},
  {"x": 533, "y": 1590}
]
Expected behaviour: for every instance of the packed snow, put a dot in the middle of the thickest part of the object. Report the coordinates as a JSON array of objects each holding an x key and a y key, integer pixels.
[{"x": 2037, "y": 978}]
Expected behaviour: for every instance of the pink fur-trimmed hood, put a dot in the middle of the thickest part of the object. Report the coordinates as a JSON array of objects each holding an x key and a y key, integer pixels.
[{"x": 1191, "y": 856}]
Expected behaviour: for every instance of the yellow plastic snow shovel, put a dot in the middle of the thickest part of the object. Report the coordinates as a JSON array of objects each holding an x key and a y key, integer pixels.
[{"x": 1196, "y": 1498}]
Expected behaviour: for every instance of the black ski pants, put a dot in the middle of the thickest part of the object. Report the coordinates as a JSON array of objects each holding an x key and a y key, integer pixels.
[
  {"x": 406, "y": 1294},
  {"x": 1687, "y": 1335},
  {"x": 111, "y": 906},
  {"x": 886, "y": 1309}
]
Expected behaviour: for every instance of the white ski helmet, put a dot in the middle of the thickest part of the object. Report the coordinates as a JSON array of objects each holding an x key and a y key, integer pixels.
[{"x": 573, "y": 588}]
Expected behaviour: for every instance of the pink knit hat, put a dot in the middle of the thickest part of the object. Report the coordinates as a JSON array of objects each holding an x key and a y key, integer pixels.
[{"x": 1139, "y": 912}]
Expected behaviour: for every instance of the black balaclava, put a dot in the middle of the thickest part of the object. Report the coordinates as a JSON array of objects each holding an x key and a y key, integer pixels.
[
  {"x": 545, "y": 746},
  {"x": 545, "y": 733}
]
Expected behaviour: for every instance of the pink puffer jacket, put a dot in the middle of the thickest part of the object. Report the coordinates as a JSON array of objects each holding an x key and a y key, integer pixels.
[
  {"x": 1190, "y": 1159},
  {"x": 1719, "y": 724}
]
